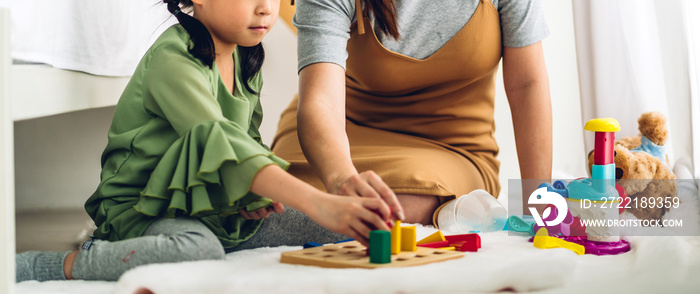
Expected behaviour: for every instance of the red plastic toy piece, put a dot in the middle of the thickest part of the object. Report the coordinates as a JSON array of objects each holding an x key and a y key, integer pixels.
[
  {"x": 471, "y": 238},
  {"x": 465, "y": 242},
  {"x": 604, "y": 148}
]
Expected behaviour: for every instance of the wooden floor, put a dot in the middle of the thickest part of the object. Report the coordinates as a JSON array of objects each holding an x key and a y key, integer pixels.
[{"x": 51, "y": 230}]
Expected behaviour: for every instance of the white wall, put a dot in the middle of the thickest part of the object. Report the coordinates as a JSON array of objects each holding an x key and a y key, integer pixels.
[
  {"x": 279, "y": 75},
  {"x": 57, "y": 158}
]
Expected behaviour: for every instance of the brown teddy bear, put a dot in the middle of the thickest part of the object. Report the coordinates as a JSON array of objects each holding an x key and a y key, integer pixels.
[{"x": 642, "y": 168}]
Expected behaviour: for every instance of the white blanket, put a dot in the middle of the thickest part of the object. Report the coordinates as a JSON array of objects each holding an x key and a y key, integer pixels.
[
  {"x": 661, "y": 264},
  {"x": 655, "y": 265}
]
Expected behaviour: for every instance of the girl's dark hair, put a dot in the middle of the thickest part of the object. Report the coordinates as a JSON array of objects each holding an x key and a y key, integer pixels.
[
  {"x": 384, "y": 12},
  {"x": 251, "y": 58}
]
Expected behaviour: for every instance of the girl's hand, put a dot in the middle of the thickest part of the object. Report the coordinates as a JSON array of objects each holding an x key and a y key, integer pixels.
[
  {"x": 263, "y": 212},
  {"x": 369, "y": 184},
  {"x": 351, "y": 216}
]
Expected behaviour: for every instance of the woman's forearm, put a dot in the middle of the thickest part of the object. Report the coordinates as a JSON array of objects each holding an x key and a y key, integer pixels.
[
  {"x": 532, "y": 125},
  {"x": 527, "y": 87},
  {"x": 321, "y": 123}
]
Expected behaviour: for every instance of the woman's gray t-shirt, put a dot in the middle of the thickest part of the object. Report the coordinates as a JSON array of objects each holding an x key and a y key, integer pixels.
[{"x": 323, "y": 26}]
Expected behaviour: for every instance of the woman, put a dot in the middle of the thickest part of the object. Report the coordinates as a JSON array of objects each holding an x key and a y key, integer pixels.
[{"x": 411, "y": 112}]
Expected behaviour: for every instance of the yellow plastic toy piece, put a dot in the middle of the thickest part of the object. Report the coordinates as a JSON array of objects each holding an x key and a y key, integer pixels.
[
  {"x": 602, "y": 125},
  {"x": 544, "y": 241},
  {"x": 396, "y": 238},
  {"x": 408, "y": 238},
  {"x": 451, "y": 248},
  {"x": 434, "y": 237}
]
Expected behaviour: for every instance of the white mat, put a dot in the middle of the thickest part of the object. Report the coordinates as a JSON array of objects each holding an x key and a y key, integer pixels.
[
  {"x": 505, "y": 262},
  {"x": 655, "y": 265}
]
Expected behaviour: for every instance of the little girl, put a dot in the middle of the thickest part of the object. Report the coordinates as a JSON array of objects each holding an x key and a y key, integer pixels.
[{"x": 185, "y": 174}]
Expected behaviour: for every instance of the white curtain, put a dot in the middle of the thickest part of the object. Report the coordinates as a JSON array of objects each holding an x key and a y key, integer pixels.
[{"x": 636, "y": 56}]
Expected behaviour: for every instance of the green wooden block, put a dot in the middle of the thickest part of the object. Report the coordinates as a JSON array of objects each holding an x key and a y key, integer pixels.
[{"x": 379, "y": 246}]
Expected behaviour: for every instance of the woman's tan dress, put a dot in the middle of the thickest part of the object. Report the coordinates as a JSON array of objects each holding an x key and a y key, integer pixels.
[{"x": 424, "y": 125}]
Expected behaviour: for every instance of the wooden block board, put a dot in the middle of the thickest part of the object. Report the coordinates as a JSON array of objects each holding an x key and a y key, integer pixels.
[{"x": 352, "y": 255}]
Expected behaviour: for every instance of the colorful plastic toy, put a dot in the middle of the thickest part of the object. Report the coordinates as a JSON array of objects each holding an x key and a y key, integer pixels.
[
  {"x": 594, "y": 198},
  {"x": 312, "y": 244},
  {"x": 465, "y": 242},
  {"x": 600, "y": 188},
  {"x": 544, "y": 241},
  {"x": 519, "y": 224}
]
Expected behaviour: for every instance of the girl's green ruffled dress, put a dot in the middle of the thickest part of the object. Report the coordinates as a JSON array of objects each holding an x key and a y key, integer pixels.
[{"x": 181, "y": 144}]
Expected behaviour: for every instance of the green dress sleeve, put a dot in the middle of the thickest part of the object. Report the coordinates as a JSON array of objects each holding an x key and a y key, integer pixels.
[
  {"x": 255, "y": 123},
  {"x": 207, "y": 172}
]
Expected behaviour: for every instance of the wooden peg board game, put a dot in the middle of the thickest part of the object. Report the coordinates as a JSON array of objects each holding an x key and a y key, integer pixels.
[{"x": 352, "y": 255}]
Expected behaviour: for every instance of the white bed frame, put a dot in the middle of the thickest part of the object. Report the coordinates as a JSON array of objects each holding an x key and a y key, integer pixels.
[{"x": 30, "y": 91}]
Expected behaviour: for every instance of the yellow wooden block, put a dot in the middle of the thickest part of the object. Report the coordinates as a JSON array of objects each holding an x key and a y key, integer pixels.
[
  {"x": 434, "y": 237},
  {"x": 408, "y": 238},
  {"x": 452, "y": 248},
  {"x": 396, "y": 238}
]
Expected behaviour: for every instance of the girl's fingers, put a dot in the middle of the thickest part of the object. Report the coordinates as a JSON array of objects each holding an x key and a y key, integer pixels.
[
  {"x": 356, "y": 232},
  {"x": 268, "y": 211},
  {"x": 258, "y": 214},
  {"x": 244, "y": 214},
  {"x": 263, "y": 213},
  {"x": 277, "y": 207}
]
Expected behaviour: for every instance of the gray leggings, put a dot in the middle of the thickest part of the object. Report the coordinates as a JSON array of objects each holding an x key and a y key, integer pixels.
[{"x": 187, "y": 239}]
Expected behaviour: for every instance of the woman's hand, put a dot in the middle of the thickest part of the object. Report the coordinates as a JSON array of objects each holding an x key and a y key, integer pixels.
[
  {"x": 351, "y": 216},
  {"x": 264, "y": 212},
  {"x": 369, "y": 184}
]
